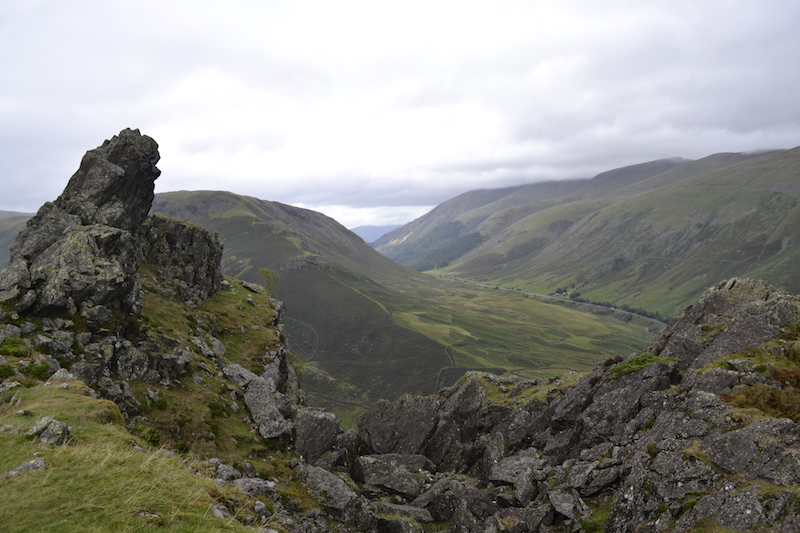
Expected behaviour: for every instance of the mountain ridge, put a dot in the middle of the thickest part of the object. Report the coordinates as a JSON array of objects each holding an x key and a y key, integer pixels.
[{"x": 545, "y": 245}]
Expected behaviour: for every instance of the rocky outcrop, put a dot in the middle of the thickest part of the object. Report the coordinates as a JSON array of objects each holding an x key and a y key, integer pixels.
[
  {"x": 76, "y": 270},
  {"x": 649, "y": 437},
  {"x": 184, "y": 253},
  {"x": 653, "y": 441},
  {"x": 78, "y": 254}
]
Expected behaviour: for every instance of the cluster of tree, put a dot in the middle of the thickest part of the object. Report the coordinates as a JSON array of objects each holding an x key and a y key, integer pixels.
[
  {"x": 573, "y": 295},
  {"x": 576, "y": 296},
  {"x": 623, "y": 307}
]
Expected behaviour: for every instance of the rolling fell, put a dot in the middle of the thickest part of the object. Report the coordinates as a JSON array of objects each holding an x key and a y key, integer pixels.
[
  {"x": 368, "y": 328},
  {"x": 650, "y": 236}
]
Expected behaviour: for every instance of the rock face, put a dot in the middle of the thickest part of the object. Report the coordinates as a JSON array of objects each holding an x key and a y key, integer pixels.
[
  {"x": 649, "y": 437},
  {"x": 79, "y": 257},
  {"x": 115, "y": 182},
  {"x": 184, "y": 253},
  {"x": 78, "y": 254}
]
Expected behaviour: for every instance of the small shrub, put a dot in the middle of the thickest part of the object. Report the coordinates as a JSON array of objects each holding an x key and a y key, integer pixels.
[
  {"x": 270, "y": 281},
  {"x": 270, "y": 507},
  {"x": 13, "y": 346},
  {"x": 151, "y": 437},
  {"x": 182, "y": 446},
  {"x": 772, "y": 401},
  {"x": 636, "y": 363},
  {"x": 218, "y": 410},
  {"x": 39, "y": 371},
  {"x": 791, "y": 332},
  {"x": 790, "y": 378},
  {"x": 161, "y": 403},
  {"x": 6, "y": 371},
  {"x": 45, "y": 349},
  {"x": 793, "y": 352},
  {"x": 652, "y": 449}
]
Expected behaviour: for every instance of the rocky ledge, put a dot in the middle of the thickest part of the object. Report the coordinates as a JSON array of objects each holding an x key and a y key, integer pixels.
[{"x": 644, "y": 444}]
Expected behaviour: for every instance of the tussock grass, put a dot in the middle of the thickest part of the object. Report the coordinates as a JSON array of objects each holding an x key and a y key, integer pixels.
[
  {"x": 99, "y": 481},
  {"x": 636, "y": 363},
  {"x": 780, "y": 396}
]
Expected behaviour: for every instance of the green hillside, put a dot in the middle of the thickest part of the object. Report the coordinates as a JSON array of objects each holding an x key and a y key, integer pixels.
[
  {"x": 444, "y": 233},
  {"x": 650, "y": 240},
  {"x": 382, "y": 329},
  {"x": 106, "y": 480}
]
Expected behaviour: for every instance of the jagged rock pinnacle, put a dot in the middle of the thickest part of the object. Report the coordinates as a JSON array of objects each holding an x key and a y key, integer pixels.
[
  {"x": 78, "y": 254},
  {"x": 115, "y": 183}
]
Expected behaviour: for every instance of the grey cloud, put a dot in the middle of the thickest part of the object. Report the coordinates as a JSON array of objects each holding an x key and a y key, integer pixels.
[{"x": 262, "y": 99}]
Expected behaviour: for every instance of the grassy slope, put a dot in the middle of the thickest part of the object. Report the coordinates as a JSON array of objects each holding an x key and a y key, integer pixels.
[
  {"x": 334, "y": 316},
  {"x": 657, "y": 242},
  {"x": 380, "y": 326},
  {"x": 99, "y": 482},
  {"x": 459, "y": 216}
]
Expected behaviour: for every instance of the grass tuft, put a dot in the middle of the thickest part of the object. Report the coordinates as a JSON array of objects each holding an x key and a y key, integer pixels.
[{"x": 636, "y": 363}]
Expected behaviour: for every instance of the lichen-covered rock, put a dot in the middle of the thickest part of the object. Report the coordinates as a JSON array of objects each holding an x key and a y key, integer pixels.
[
  {"x": 447, "y": 495},
  {"x": 457, "y": 424},
  {"x": 402, "y": 426},
  {"x": 78, "y": 253},
  {"x": 228, "y": 473},
  {"x": 729, "y": 317},
  {"x": 315, "y": 432},
  {"x": 184, "y": 253},
  {"x": 261, "y": 403},
  {"x": 392, "y": 474},
  {"x": 239, "y": 374},
  {"x": 567, "y": 503},
  {"x": 405, "y": 511},
  {"x": 336, "y": 498},
  {"x": 62, "y": 374},
  {"x": 34, "y": 464},
  {"x": 652, "y": 434},
  {"x": 50, "y": 431},
  {"x": 114, "y": 185},
  {"x": 255, "y": 486}
]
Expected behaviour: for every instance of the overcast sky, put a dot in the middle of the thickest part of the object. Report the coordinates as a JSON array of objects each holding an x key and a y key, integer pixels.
[{"x": 373, "y": 112}]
